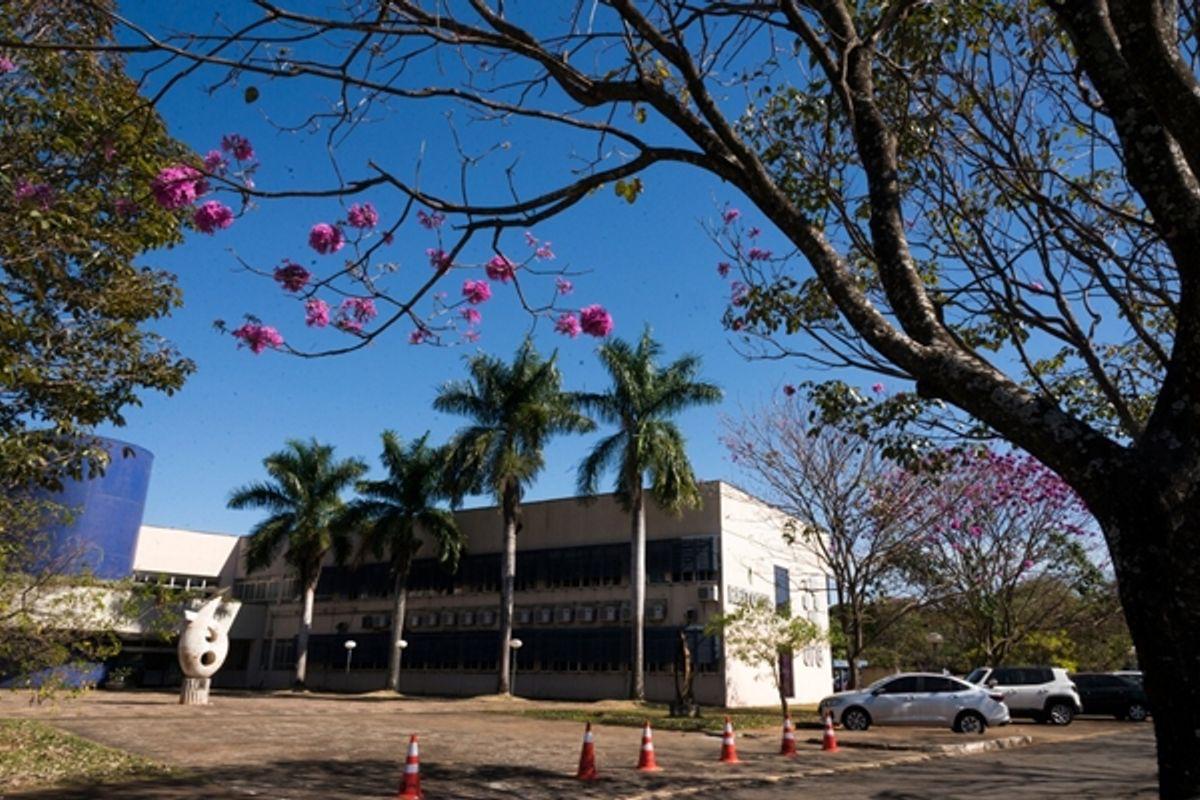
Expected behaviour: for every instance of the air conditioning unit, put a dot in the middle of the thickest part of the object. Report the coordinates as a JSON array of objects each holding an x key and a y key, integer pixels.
[
  {"x": 545, "y": 615},
  {"x": 565, "y": 613},
  {"x": 709, "y": 594},
  {"x": 658, "y": 611},
  {"x": 448, "y": 619},
  {"x": 587, "y": 614},
  {"x": 415, "y": 620},
  {"x": 466, "y": 618},
  {"x": 609, "y": 613},
  {"x": 523, "y": 616},
  {"x": 431, "y": 619},
  {"x": 488, "y": 618}
]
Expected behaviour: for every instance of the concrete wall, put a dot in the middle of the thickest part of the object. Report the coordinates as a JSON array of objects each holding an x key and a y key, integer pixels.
[
  {"x": 752, "y": 545},
  {"x": 174, "y": 551}
]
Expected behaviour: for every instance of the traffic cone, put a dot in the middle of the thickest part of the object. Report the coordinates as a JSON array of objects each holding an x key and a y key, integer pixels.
[
  {"x": 646, "y": 762},
  {"x": 829, "y": 742},
  {"x": 728, "y": 748},
  {"x": 587, "y": 756},
  {"x": 410, "y": 788},
  {"x": 788, "y": 747}
]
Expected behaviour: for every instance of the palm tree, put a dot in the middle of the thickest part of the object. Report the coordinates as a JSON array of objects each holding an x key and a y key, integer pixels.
[
  {"x": 304, "y": 498},
  {"x": 640, "y": 403},
  {"x": 395, "y": 515},
  {"x": 514, "y": 410}
]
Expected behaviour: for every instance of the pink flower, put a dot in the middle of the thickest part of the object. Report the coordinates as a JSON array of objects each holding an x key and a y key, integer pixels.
[
  {"x": 788, "y": 389},
  {"x": 758, "y": 254},
  {"x": 238, "y": 145},
  {"x": 360, "y": 309},
  {"x": 595, "y": 321},
  {"x": 738, "y": 292},
  {"x": 530, "y": 239},
  {"x": 212, "y": 216},
  {"x": 438, "y": 259},
  {"x": 291, "y": 276},
  {"x": 568, "y": 325},
  {"x": 730, "y": 215},
  {"x": 470, "y": 335},
  {"x": 388, "y": 238},
  {"x": 753, "y": 233},
  {"x": 348, "y": 325},
  {"x": 364, "y": 216},
  {"x": 472, "y": 316},
  {"x": 500, "y": 269},
  {"x": 723, "y": 268},
  {"x": 316, "y": 313},
  {"x": 258, "y": 337},
  {"x": 7, "y": 65},
  {"x": 178, "y": 186},
  {"x": 214, "y": 162},
  {"x": 877, "y": 388},
  {"x": 563, "y": 286},
  {"x": 431, "y": 221},
  {"x": 418, "y": 336},
  {"x": 477, "y": 292},
  {"x": 39, "y": 193},
  {"x": 326, "y": 238},
  {"x": 1027, "y": 564},
  {"x": 1038, "y": 287},
  {"x": 544, "y": 253}
]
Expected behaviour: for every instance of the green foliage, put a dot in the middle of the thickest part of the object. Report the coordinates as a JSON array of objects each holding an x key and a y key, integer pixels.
[
  {"x": 641, "y": 400},
  {"x": 74, "y": 350},
  {"x": 392, "y": 515},
  {"x": 514, "y": 410},
  {"x": 304, "y": 498}
]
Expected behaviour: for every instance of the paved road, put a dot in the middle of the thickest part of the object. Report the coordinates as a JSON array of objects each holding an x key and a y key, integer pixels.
[{"x": 1112, "y": 768}]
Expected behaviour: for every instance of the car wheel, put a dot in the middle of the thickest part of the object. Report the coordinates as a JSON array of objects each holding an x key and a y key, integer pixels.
[
  {"x": 970, "y": 722},
  {"x": 856, "y": 719},
  {"x": 1060, "y": 714},
  {"x": 1136, "y": 712}
]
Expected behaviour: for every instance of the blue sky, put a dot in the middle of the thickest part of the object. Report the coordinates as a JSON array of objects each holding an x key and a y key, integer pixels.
[{"x": 649, "y": 263}]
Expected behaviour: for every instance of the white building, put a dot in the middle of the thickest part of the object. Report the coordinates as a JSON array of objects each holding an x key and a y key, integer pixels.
[{"x": 572, "y": 607}]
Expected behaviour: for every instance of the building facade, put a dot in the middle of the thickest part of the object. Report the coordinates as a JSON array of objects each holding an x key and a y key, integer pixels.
[{"x": 572, "y": 607}]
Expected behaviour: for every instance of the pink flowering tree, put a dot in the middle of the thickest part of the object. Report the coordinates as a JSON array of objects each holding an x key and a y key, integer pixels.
[{"x": 1009, "y": 552}]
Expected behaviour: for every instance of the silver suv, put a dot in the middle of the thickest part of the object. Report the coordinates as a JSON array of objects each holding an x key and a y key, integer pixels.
[{"x": 1044, "y": 693}]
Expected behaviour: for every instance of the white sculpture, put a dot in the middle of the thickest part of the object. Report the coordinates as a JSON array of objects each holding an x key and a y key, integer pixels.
[{"x": 203, "y": 645}]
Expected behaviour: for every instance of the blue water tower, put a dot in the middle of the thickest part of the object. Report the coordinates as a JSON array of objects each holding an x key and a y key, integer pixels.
[{"x": 107, "y": 513}]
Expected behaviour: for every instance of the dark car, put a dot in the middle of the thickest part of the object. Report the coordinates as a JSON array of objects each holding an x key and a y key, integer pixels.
[{"x": 1103, "y": 693}]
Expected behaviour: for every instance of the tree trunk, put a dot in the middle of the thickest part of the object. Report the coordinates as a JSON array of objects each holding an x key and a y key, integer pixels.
[
  {"x": 854, "y": 648},
  {"x": 1154, "y": 540},
  {"x": 401, "y": 598},
  {"x": 783, "y": 703},
  {"x": 511, "y": 506},
  {"x": 637, "y": 592},
  {"x": 306, "y": 618}
]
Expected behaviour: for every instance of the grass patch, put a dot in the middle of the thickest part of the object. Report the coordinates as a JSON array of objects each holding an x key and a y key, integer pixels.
[
  {"x": 634, "y": 715},
  {"x": 35, "y": 754}
]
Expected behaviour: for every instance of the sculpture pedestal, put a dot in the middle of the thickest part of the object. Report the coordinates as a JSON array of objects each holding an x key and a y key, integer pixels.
[{"x": 194, "y": 691}]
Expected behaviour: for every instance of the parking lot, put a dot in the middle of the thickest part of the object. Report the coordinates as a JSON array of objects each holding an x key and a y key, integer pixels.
[{"x": 302, "y": 747}]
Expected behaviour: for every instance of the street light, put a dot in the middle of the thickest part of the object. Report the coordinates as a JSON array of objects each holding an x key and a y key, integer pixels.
[
  {"x": 515, "y": 645},
  {"x": 349, "y": 644}
]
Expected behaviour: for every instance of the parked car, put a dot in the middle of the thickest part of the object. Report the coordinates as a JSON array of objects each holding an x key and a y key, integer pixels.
[
  {"x": 1105, "y": 693},
  {"x": 1043, "y": 693},
  {"x": 917, "y": 698}
]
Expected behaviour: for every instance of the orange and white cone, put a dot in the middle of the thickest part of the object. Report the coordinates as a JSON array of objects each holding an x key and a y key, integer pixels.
[
  {"x": 728, "y": 746},
  {"x": 829, "y": 741},
  {"x": 587, "y": 756},
  {"x": 410, "y": 788},
  {"x": 646, "y": 762},
  {"x": 788, "y": 747}
]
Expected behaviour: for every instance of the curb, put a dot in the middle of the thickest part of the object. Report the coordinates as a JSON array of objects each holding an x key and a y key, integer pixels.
[{"x": 981, "y": 746}]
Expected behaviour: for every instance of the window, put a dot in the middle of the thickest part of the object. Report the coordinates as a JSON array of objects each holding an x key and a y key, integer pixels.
[
  {"x": 907, "y": 685},
  {"x": 566, "y": 613},
  {"x": 783, "y": 590},
  {"x": 940, "y": 685},
  {"x": 545, "y": 615},
  {"x": 284, "y": 654}
]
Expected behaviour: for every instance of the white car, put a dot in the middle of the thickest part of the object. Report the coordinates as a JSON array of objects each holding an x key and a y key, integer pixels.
[
  {"x": 917, "y": 698},
  {"x": 1044, "y": 693}
]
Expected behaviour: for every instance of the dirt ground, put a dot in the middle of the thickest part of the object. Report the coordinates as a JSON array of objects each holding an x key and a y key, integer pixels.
[{"x": 336, "y": 746}]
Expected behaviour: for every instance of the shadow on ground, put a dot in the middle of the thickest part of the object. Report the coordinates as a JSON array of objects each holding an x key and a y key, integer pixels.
[{"x": 341, "y": 779}]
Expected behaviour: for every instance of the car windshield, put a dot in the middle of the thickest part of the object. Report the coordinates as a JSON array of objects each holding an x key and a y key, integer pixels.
[
  {"x": 878, "y": 683},
  {"x": 976, "y": 675}
]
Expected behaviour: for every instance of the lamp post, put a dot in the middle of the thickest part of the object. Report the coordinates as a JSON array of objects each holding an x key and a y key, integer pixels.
[
  {"x": 515, "y": 644},
  {"x": 349, "y": 644}
]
